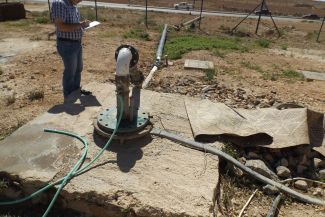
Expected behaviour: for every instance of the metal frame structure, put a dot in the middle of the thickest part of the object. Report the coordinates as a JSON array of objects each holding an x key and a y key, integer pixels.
[
  {"x": 264, "y": 10},
  {"x": 320, "y": 30}
]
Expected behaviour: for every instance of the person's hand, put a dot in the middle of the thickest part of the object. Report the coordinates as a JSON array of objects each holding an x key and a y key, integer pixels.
[{"x": 84, "y": 24}]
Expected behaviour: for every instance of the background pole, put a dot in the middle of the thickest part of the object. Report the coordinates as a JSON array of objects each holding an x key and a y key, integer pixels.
[
  {"x": 201, "y": 14},
  {"x": 96, "y": 9},
  {"x": 146, "y": 18}
]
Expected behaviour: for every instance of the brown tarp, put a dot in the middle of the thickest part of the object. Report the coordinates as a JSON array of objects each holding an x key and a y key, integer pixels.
[{"x": 269, "y": 127}]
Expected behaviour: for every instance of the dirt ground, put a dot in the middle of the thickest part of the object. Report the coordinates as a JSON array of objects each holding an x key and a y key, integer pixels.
[
  {"x": 31, "y": 71},
  {"x": 278, "y": 7}
]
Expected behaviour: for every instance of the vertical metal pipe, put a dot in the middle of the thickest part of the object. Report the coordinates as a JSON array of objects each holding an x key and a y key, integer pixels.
[
  {"x": 161, "y": 45},
  {"x": 320, "y": 30},
  {"x": 158, "y": 57},
  {"x": 96, "y": 9},
  {"x": 201, "y": 14}
]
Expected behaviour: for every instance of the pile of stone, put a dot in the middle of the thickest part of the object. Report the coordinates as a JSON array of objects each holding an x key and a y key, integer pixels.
[
  {"x": 286, "y": 164},
  {"x": 234, "y": 97}
]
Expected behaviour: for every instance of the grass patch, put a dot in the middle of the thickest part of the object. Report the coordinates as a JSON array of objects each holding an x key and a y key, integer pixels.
[
  {"x": 284, "y": 47},
  {"x": 41, "y": 17},
  {"x": 11, "y": 99},
  {"x": 140, "y": 34},
  {"x": 23, "y": 23},
  {"x": 292, "y": 74},
  {"x": 36, "y": 95},
  {"x": 249, "y": 65},
  {"x": 270, "y": 76},
  {"x": 209, "y": 74},
  {"x": 178, "y": 46},
  {"x": 230, "y": 149},
  {"x": 150, "y": 22},
  {"x": 42, "y": 20},
  {"x": 87, "y": 13},
  {"x": 311, "y": 35},
  {"x": 263, "y": 43},
  {"x": 219, "y": 53}
]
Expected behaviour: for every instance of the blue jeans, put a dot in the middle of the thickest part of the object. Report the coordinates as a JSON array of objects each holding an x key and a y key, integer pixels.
[{"x": 71, "y": 53}]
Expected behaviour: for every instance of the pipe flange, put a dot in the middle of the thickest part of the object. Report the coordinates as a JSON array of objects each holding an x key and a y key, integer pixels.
[
  {"x": 134, "y": 52},
  {"x": 106, "y": 121}
]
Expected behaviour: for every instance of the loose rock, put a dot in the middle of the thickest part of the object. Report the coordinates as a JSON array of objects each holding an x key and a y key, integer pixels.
[
  {"x": 318, "y": 192},
  {"x": 318, "y": 163},
  {"x": 270, "y": 190},
  {"x": 260, "y": 167},
  {"x": 301, "y": 184},
  {"x": 283, "y": 172},
  {"x": 253, "y": 155}
]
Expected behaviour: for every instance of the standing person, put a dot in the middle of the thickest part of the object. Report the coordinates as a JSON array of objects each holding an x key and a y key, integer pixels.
[{"x": 69, "y": 31}]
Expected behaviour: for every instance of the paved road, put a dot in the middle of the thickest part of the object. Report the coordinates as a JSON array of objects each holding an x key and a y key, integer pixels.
[{"x": 171, "y": 10}]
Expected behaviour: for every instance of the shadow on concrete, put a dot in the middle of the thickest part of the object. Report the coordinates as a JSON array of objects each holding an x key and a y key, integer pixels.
[
  {"x": 128, "y": 153},
  {"x": 72, "y": 107}
]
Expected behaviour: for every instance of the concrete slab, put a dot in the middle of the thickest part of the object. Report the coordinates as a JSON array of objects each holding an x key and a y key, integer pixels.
[
  {"x": 198, "y": 64},
  {"x": 314, "y": 75},
  {"x": 150, "y": 177}
]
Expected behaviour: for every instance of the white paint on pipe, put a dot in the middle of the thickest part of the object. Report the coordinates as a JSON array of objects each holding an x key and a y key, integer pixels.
[
  {"x": 149, "y": 77},
  {"x": 123, "y": 62}
]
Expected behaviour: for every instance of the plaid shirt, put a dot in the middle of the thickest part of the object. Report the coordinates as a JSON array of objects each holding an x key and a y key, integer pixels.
[{"x": 69, "y": 14}]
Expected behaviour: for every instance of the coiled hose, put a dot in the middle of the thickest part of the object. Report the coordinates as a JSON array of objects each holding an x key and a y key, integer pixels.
[{"x": 75, "y": 171}]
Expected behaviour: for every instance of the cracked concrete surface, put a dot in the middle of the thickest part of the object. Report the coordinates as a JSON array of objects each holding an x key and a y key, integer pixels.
[{"x": 147, "y": 177}]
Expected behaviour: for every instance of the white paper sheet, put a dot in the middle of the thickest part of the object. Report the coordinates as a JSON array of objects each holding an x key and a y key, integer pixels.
[{"x": 92, "y": 24}]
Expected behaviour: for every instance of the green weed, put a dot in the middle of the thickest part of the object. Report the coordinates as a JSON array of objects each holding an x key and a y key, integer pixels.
[
  {"x": 178, "y": 46},
  {"x": 284, "y": 47},
  {"x": 263, "y": 43},
  {"x": 88, "y": 13},
  {"x": 36, "y": 95},
  {"x": 42, "y": 20},
  {"x": 292, "y": 74},
  {"x": 23, "y": 23},
  {"x": 270, "y": 76},
  {"x": 219, "y": 53},
  {"x": 150, "y": 22},
  {"x": 209, "y": 74},
  {"x": 137, "y": 34},
  {"x": 249, "y": 65},
  {"x": 230, "y": 149}
]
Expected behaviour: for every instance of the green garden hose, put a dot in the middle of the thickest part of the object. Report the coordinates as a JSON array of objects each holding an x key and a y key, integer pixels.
[{"x": 74, "y": 171}]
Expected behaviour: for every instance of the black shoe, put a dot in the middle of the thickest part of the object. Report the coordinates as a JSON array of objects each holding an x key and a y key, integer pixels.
[{"x": 85, "y": 92}]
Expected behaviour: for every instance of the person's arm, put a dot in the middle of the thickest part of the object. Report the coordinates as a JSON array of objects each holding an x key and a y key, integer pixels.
[{"x": 65, "y": 27}]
